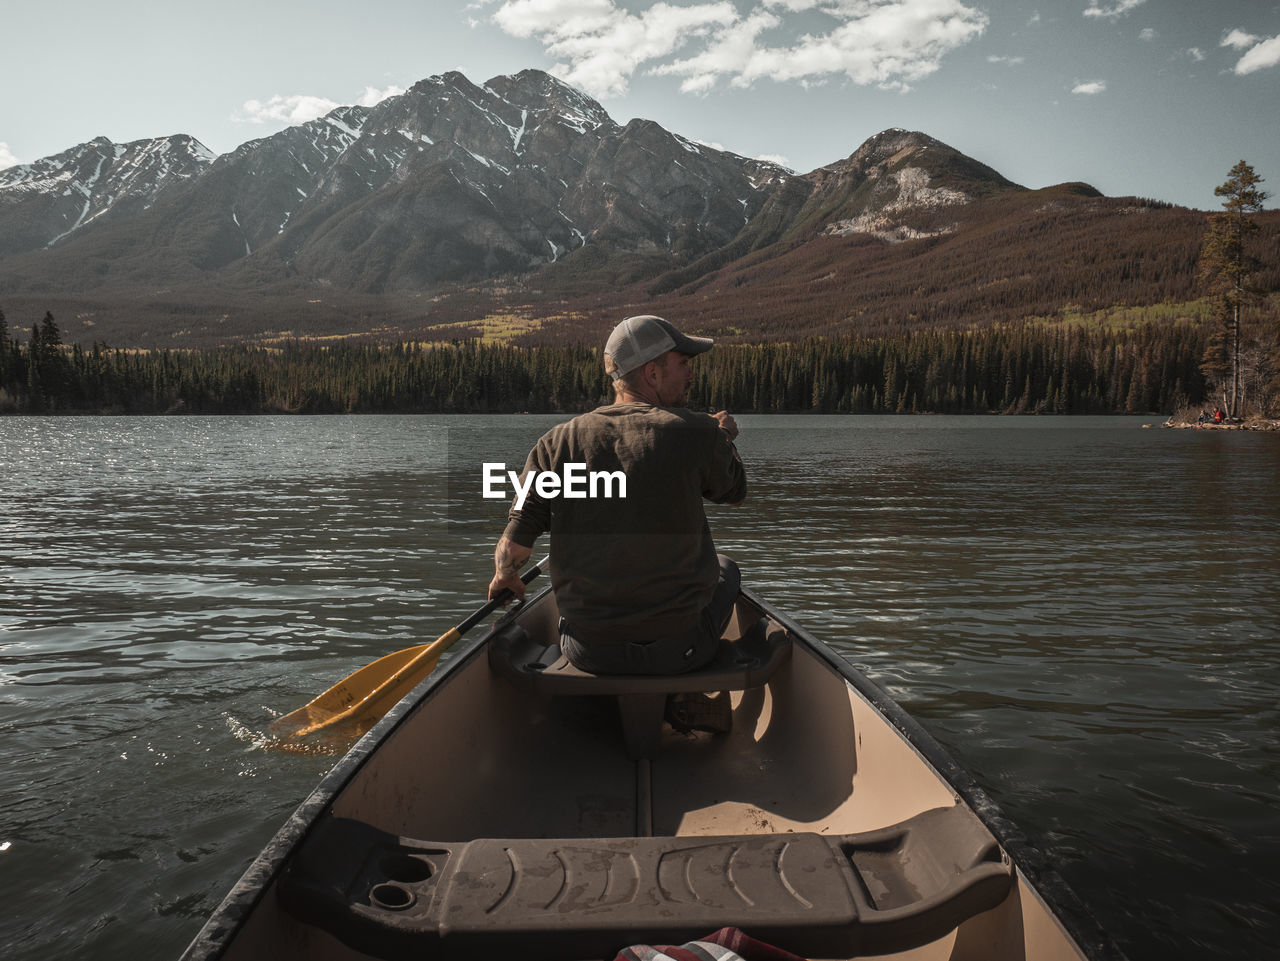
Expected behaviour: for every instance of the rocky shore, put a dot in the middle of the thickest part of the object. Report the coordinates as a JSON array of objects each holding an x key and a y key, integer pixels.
[{"x": 1252, "y": 423}]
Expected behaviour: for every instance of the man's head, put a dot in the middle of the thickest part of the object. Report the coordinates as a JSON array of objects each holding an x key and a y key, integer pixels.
[{"x": 647, "y": 355}]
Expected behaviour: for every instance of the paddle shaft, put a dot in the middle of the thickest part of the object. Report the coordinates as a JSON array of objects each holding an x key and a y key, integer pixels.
[
  {"x": 362, "y": 697},
  {"x": 503, "y": 597}
]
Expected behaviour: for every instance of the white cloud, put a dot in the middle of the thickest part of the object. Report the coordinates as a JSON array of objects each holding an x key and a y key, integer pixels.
[
  {"x": 601, "y": 44},
  {"x": 1265, "y": 54},
  {"x": 1011, "y": 61},
  {"x": 373, "y": 96},
  {"x": 1118, "y": 9},
  {"x": 295, "y": 109},
  {"x": 300, "y": 108},
  {"x": 1147, "y": 33},
  {"x": 772, "y": 158},
  {"x": 7, "y": 159},
  {"x": 1196, "y": 54},
  {"x": 1239, "y": 39},
  {"x": 1090, "y": 89},
  {"x": 735, "y": 51},
  {"x": 889, "y": 43},
  {"x": 1260, "y": 52}
]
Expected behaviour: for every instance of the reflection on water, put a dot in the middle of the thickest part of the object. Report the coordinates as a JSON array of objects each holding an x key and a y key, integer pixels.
[{"x": 1084, "y": 612}]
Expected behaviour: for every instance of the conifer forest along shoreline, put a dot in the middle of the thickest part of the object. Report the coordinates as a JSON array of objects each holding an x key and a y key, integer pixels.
[{"x": 1033, "y": 368}]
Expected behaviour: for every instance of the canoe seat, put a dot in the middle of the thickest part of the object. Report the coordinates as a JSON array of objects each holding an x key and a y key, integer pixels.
[
  {"x": 739, "y": 664},
  {"x": 879, "y": 892}
]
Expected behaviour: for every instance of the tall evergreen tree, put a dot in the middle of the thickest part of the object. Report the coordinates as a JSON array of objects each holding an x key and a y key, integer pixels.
[
  {"x": 4, "y": 351},
  {"x": 1225, "y": 266},
  {"x": 9, "y": 356},
  {"x": 55, "y": 366}
]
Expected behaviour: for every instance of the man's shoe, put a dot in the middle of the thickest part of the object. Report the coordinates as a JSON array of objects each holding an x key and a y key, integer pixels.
[{"x": 712, "y": 714}]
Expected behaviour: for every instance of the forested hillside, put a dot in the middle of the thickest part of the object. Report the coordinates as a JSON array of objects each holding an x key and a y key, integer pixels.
[
  {"x": 1026, "y": 368},
  {"x": 905, "y": 234},
  {"x": 1029, "y": 256}
]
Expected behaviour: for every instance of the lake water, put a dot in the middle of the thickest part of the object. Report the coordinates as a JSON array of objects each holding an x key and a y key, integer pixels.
[{"x": 1085, "y": 613}]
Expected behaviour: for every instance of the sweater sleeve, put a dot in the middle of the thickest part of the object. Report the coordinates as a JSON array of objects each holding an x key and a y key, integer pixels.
[
  {"x": 533, "y": 517},
  {"x": 726, "y": 477}
]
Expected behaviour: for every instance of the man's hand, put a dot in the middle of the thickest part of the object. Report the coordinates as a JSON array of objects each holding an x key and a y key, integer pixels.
[
  {"x": 508, "y": 558},
  {"x": 727, "y": 424}
]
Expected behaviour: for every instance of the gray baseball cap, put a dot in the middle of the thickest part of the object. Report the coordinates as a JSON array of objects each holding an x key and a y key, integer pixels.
[{"x": 638, "y": 340}]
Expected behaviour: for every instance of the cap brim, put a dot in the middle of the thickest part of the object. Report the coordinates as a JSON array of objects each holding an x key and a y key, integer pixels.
[{"x": 692, "y": 345}]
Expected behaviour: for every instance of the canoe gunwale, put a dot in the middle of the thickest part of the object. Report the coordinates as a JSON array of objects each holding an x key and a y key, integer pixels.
[
  {"x": 213, "y": 938},
  {"x": 1042, "y": 877}
]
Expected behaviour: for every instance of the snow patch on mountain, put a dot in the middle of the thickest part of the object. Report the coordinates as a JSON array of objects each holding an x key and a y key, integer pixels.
[
  {"x": 92, "y": 181},
  {"x": 914, "y": 193}
]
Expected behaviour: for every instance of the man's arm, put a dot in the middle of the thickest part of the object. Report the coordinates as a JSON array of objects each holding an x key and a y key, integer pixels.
[
  {"x": 727, "y": 424},
  {"x": 508, "y": 558},
  {"x": 526, "y": 525},
  {"x": 733, "y": 468}
]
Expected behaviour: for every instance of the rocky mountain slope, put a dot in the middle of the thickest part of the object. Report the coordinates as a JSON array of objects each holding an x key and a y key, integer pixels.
[
  {"x": 453, "y": 201},
  {"x": 44, "y": 203},
  {"x": 448, "y": 182}
]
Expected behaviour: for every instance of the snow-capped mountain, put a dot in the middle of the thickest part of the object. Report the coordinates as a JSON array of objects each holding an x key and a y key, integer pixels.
[
  {"x": 44, "y": 202},
  {"x": 449, "y": 182},
  {"x": 453, "y": 181}
]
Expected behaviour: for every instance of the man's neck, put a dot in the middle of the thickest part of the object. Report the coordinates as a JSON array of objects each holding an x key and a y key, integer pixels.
[{"x": 645, "y": 395}]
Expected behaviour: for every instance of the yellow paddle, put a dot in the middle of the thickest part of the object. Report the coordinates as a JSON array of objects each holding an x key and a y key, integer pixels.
[{"x": 355, "y": 703}]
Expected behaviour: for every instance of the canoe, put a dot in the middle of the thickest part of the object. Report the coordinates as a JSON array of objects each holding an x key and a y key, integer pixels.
[{"x": 512, "y": 806}]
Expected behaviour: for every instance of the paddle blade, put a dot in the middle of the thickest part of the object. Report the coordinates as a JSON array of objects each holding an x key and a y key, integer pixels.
[
  {"x": 355, "y": 703},
  {"x": 359, "y": 700}
]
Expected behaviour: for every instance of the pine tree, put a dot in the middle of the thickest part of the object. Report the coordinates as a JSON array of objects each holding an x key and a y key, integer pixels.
[
  {"x": 4, "y": 352},
  {"x": 1225, "y": 267},
  {"x": 10, "y": 369}
]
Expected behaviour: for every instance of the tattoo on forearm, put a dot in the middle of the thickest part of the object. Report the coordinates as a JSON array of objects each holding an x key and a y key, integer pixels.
[{"x": 504, "y": 562}]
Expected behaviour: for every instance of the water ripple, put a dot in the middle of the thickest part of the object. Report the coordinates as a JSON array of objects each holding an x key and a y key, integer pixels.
[{"x": 1071, "y": 606}]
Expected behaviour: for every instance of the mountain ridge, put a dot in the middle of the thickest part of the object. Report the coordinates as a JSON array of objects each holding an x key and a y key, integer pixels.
[
  {"x": 560, "y": 167},
  {"x": 50, "y": 199},
  {"x": 422, "y": 214}
]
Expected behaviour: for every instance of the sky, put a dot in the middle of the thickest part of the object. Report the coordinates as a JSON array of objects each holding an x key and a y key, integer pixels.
[{"x": 1148, "y": 98}]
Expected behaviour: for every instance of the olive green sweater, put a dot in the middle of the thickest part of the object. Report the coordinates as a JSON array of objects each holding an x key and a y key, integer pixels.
[{"x": 641, "y": 567}]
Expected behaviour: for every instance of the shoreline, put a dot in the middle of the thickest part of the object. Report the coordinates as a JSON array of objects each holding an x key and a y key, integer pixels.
[{"x": 1257, "y": 423}]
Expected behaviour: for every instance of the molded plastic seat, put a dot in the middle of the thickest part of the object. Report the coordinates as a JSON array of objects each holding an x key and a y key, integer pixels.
[
  {"x": 538, "y": 899},
  {"x": 738, "y": 665}
]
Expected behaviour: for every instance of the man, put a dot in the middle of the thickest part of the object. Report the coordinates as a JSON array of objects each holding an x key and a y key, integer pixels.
[{"x": 638, "y": 582}]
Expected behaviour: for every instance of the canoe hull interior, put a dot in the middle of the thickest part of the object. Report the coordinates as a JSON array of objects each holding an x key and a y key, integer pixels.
[{"x": 481, "y": 819}]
